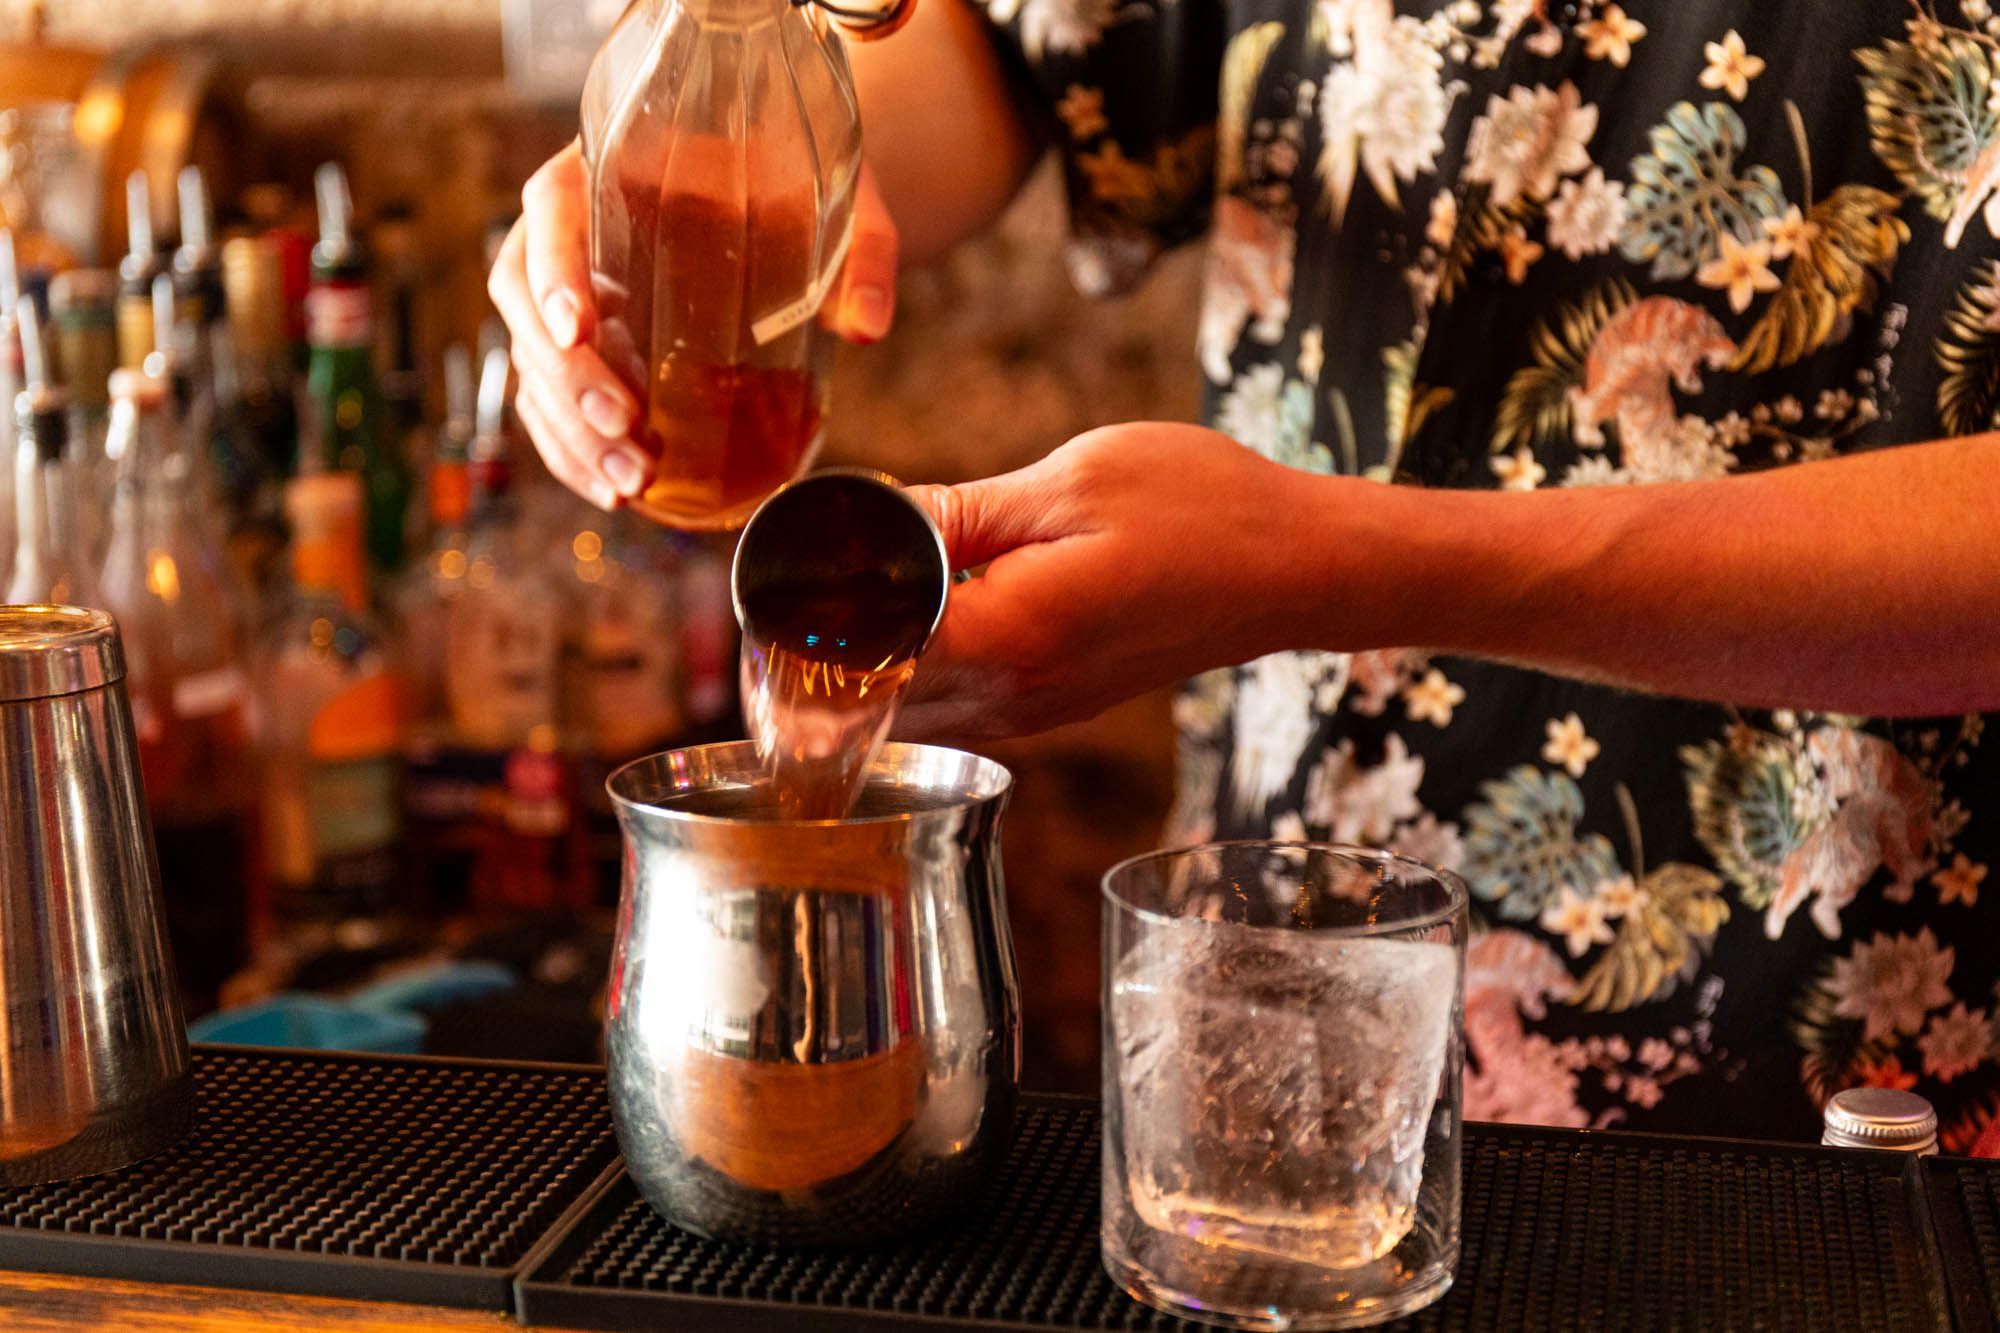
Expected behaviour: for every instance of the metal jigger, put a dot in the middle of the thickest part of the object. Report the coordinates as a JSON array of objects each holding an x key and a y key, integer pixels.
[
  {"x": 93, "y": 1050},
  {"x": 842, "y": 524}
]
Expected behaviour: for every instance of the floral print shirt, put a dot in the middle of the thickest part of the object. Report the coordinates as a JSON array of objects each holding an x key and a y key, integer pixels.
[{"x": 1513, "y": 243}]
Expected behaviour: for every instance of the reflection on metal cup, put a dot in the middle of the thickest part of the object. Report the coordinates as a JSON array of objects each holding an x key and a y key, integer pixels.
[
  {"x": 813, "y": 1033},
  {"x": 93, "y": 1052}
]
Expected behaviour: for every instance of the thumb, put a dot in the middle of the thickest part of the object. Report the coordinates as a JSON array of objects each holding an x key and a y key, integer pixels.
[
  {"x": 983, "y": 520},
  {"x": 864, "y": 305}
]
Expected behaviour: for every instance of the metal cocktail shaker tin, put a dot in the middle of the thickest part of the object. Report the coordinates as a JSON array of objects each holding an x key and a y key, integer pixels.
[
  {"x": 93, "y": 1049},
  {"x": 813, "y": 1025}
]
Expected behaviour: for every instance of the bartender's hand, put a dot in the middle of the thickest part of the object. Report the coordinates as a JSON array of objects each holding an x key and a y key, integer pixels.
[
  {"x": 576, "y": 410},
  {"x": 1130, "y": 558}
]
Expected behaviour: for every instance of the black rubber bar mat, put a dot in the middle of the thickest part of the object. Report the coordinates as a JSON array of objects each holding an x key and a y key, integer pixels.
[
  {"x": 383, "y": 1178},
  {"x": 1965, "y": 1209},
  {"x": 1562, "y": 1231}
]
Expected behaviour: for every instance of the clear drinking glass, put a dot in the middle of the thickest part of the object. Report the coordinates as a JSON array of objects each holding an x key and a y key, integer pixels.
[{"x": 1282, "y": 1082}]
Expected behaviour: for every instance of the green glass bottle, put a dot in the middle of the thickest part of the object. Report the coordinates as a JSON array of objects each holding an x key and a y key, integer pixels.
[{"x": 354, "y": 429}]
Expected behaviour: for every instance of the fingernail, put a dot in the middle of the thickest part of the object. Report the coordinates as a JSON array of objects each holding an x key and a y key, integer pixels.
[
  {"x": 626, "y": 472},
  {"x": 560, "y": 313},
  {"x": 604, "y": 497},
  {"x": 605, "y": 414},
  {"x": 872, "y": 310}
]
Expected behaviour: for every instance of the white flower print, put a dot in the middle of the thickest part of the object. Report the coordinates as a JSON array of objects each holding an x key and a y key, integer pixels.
[
  {"x": 1730, "y": 66},
  {"x": 1443, "y": 224},
  {"x": 1890, "y": 984},
  {"x": 1312, "y": 354},
  {"x": 1586, "y": 215},
  {"x": 1428, "y": 839},
  {"x": 1249, "y": 411},
  {"x": 1432, "y": 698},
  {"x": 1596, "y": 470},
  {"x": 1610, "y": 35},
  {"x": 1619, "y": 896},
  {"x": 1833, "y": 405},
  {"x": 1788, "y": 409},
  {"x": 1568, "y": 746},
  {"x": 1956, "y": 1042},
  {"x": 1383, "y": 111},
  {"x": 1058, "y": 27},
  {"x": 1518, "y": 471},
  {"x": 1790, "y": 233},
  {"x": 1364, "y": 805},
  {"x": 1377, "y": 676},
  {"x": 1579, "y": 920},
  {"x": 1274, "y": 723},
  {"x": 1739, "y": 269},
  {"x": 1732, "y": 431},
  {"x": 1523, "y": 144}
]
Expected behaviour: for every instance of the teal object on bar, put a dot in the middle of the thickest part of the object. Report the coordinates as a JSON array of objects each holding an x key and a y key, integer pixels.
[{"x": 313, "y": 1023}]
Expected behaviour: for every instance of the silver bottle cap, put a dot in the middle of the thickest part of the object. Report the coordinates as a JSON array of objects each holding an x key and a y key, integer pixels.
[{"x": 1880, "y": 1118}]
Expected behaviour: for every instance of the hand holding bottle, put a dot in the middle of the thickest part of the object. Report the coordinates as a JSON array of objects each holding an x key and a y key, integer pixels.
[{"x": 576, "y": 409}]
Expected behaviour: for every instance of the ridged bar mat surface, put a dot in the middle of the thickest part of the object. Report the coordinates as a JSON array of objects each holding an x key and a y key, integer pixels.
[
  {"x": 1965, "y": 1206},
  {"x": 384, "y": 1178},
  {"x": 1562, "y": 1231}
]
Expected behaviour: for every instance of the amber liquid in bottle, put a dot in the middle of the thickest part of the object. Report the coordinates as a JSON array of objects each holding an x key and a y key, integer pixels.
[
  {"x": 822, "y": 678},
  {"x": 728, "y": 420}
]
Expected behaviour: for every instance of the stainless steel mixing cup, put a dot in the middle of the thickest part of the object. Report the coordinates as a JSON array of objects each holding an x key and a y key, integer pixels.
[
  {"x": 93, "y": 1051},
  {"x": 814, "y": 1027}
]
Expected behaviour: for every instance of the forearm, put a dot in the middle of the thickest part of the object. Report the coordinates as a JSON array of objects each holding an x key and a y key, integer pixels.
[
  {"x": 940, "y": 126},
  {"x": 1869, "y": 584}
]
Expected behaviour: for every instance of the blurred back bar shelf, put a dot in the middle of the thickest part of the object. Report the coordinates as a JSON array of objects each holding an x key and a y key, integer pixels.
[{"x": 381, "y": 662}]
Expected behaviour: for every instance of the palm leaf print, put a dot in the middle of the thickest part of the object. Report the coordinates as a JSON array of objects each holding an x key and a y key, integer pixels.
[
  {"x": 1681, "y": 911},
  {"x": 1522, "y": 845},
  {"x": 1931, "y": 120},
  {"x": 1687, "y": 192},
  {"x": 1853, "y": 236},
  {"x": 1407, "y": 405},
  {"x": 1744, "y": 816},
  {"x": 1242, "y": 63},
  {"x": 1969, "y": 352},
  {"x": 1535, "y": 408}
]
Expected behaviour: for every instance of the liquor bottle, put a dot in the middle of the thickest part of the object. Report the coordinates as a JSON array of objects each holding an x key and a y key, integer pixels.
[
  {"x": 430, "y": 585},
  {"x": 332, "y": 712},
  {"x": 10, "y": 387},
  {"x": 83, "y": 311},
  {"x": 503, "y": 631},
  {"x": 263, "y": 421},
  {"x": 185, "y": 679},
  {"x": 723, "y": 146},
  {"x": 353, "y": 426},
  {"x": 202, "y": 341},
  {"x": 626, "y": 678},
  {"x": 176, "y": 363},
  {"x": 142, "y": 263},
  {"x": 49, "y": 562}
]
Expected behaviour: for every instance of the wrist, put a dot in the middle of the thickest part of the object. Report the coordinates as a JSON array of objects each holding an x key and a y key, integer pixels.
[{"x": 1392, "y": 566}]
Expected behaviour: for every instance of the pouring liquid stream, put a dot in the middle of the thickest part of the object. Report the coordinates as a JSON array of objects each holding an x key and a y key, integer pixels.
[{"x": 825, "y": 663}]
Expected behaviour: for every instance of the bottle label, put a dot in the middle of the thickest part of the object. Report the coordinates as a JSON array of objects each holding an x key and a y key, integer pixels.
[
  {"x": 362, "y": 722},
  {"x": 208, "y": 693},
  {"x": 352, "y": 807},
  {"x": 785, "y": 318},
  {"x": 338, "y": 316}
]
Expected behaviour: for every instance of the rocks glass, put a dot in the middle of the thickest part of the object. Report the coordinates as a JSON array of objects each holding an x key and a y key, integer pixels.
[{"x": 1282, "y": 1083}]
